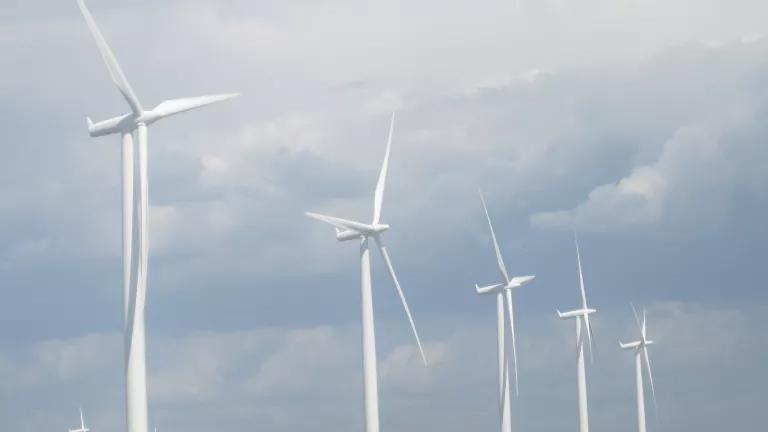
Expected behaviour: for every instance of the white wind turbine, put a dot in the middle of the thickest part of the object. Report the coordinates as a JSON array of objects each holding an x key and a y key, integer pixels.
[
  {"x": 135, "y": 270},
  {"x": 582, "y": 326},
  {"x": 641, "y": 350},
  {"x": 351, "y": 230},
  {"x": 82, "y": 427},
  {"x": 503, "y": 291}
]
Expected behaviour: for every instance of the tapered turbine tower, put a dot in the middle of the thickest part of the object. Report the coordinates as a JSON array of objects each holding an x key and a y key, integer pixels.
[
  {"x": 135, "y": 221},
  {"x": 582, "y": 327},
  {"x": 503, "y": 293},
  {"x": 640, "y": 349},
  {"x": 365, "y": 232}
]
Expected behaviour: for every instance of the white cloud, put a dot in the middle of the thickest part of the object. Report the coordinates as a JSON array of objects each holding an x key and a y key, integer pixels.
[
  {"x": 691, "y": 163},
  {"x": 241, "y": 377}
]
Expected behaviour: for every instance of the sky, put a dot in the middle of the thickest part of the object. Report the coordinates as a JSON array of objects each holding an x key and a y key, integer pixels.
[{"x": 638, "y": 124}]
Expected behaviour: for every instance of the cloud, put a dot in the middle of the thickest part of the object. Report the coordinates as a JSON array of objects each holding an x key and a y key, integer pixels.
[
  {"x": 643, "y": 196},
  {"x": 236, "y": 378},
  {"x": 254, "y": 309}
]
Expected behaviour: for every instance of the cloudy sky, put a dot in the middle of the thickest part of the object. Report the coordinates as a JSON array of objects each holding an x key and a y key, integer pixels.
[{"x": 639, "y": 123}]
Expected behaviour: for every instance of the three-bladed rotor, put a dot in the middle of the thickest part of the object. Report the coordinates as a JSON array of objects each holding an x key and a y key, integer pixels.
[
  {"x": 505, "y": 287},
  {"x": 126, "y": 123},
  {"x": 642, "y": 345},
  {"x": 585, "y": 311},
  {"x": 353, "y": 230}
]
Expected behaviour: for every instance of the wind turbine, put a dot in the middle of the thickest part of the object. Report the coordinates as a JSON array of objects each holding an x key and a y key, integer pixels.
[
  {"x": 582, "y": 326},
  {"x": 503, "y": 291},
  {"x": 82, "y": 424},
  {"x": 135, "y": 270},
  {"x": 365, "y": 232},
  {"x": 641, "y": 350}
]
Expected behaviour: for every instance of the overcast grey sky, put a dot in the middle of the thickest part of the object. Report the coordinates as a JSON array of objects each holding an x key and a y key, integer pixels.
[{"x": 641, "y": 123}]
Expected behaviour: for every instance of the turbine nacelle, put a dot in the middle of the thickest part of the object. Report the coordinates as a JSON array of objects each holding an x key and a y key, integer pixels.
[
  {"x": 350, "y": 230},
  {"x": 576, "y": 313},
  {"x": 635, "y": 345},
  {"x": 515, "y": 282},
  {"x": 631, "y": 345},
  {"x": 350, "y": 234}
]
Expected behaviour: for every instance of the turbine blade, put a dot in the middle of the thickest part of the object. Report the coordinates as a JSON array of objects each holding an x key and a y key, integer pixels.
[
  {"x": 378, "y": 197},
  {"x": 343, "y": 224},
  {"x": 588, "y": 329},
  {"x": 637, "y": 318},
  {"x": 392, "y": 275},
  {"x": 115, "y": 72},
  {"x": 512, "y": 331},
  {"x": 650, "y": 378},
  {"x": 581, "y": 275},
  {"x": 580, "y": 339},
  {"x": 643, "y": 330},
  {"x": 176, "y": 106},
  {"x": 487, "y": 289},
  {"x": 499, "y": 259},
  {"x": 82, "y": 421},
  {"x": 521, "y": 280},
  {"x": 504, "y": 389}
]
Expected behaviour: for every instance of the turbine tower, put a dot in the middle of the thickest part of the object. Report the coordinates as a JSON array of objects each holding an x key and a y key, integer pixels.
[
  {"x": 135, "y": 221},
  {"x": 82, "y": 427},
  {"x": 641, "y": 350},
  {"x": 365, "y": 232},
  {"x": 503, "y": 292},
  {"x": 582, "y": 327}
]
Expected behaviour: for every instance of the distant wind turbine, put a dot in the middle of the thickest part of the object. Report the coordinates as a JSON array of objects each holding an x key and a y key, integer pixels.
[
  {"x": 503, "y": 291},
  {"x": 82, "y": 427},
  {"x": 364, "y": 232},
  {"x": 135, "y": 270},
  {"x": 582, "y": 326},
  {"x": 641, "y": 350}
]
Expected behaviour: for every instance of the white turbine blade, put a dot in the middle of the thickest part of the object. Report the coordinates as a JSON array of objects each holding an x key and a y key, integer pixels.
[
  {"x": 512, "y": 331},
  {"x": 392, "y": 275},
  {"x": 521, "y": 280},
  {"x": 339, "y": 223},
  {"x": 637, "y": 318},
  {"x": 82, "y": 421},
  {"x": 580, "y": 339},
  {"x": 175, "y": 106},
  {"x": 642, "y": 330},
  {"x": 503, "y": 386},
  {"x": 650, "y": 378},
  {"x": 114, "y": 68},
  {"x": 487, "y": 289},
  {"x": 499, "y": 259},
  {"x": 378, "y": 196},
  {"x": 581, "y": 275},
  {"x": 588, "y": 329},
  {"x": 504, "y": 383}
]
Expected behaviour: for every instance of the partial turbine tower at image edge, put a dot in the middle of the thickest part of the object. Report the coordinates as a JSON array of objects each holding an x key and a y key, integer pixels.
[
  {"x": 132, "y": 125},
  {"x": 503, "y": 293},
  {"x": 640, "y": 349},
  {"x": 583, "y": 327}
]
